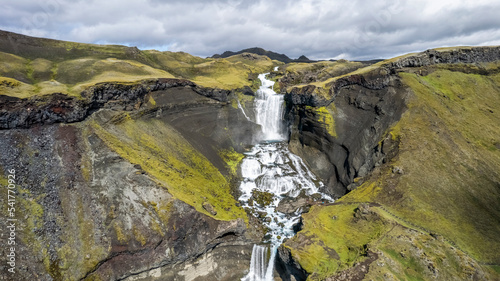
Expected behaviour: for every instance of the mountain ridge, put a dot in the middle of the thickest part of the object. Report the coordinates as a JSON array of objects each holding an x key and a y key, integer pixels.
[{"x": 260, "y": 51}]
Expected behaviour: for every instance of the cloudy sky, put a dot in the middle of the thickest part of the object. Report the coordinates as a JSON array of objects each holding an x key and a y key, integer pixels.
[{"x": 319, "y": 29}]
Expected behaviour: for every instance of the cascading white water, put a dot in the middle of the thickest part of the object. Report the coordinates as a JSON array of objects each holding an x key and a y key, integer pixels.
[
  {"x": 271, "y": 168},
  {"x": 258, "y": 264},
  {"x": 269, "y": 111}
]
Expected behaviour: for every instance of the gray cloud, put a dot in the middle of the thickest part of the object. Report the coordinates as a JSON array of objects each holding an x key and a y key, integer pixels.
[{"x": 319, "y": 29}]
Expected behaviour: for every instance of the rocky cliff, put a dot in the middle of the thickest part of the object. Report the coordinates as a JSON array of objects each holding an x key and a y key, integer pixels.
[
  {"x": 363, "y": 105},
  {"x": 411, "y": 142},
  {"x": 93, "y": 200}
]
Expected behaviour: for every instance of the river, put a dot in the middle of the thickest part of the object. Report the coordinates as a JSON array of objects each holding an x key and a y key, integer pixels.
[{"x": 270, "y": 174}]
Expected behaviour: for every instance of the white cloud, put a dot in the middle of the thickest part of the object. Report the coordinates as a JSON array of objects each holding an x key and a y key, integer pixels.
[{"x": 316, "y": 28}]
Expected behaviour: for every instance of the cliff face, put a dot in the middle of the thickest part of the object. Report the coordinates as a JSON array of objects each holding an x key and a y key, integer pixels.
[
  {"x": 362, "y": 106},
  {"x": 344, "y": 140},
  {"x": 411, "y": 139},
  {"x": 128, "y": 182},
  {"x": 60, "y": 108}
]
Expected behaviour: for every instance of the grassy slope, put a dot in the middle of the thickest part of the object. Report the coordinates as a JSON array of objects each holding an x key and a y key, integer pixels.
[
  {"x": 450, "y": 158},
  {"x": 230, "y": 73},
  {"x": 324, "y": 69},
  {"x": 164, "y": 154},
  {"x": 40, "y": 66}
]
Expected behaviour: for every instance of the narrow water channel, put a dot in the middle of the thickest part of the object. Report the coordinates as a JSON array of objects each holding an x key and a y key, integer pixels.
[{"x": 271, "y": 173}]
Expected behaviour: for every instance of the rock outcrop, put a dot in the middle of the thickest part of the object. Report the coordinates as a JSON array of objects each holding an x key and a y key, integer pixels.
[
  {"x": 288, "y": 267},
  {"x": 59, "y": 108},
  {"x": 363, "y": 106}
]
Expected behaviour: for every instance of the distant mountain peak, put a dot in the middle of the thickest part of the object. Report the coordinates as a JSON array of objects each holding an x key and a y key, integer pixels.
[{"x": 259, "y": 51}]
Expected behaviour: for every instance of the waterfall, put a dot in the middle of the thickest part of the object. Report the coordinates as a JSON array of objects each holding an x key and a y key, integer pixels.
[
  {"x": 269, "y": 111},
  {"x": 260, "y": 269},
  {"x": 269, "y": 168}
]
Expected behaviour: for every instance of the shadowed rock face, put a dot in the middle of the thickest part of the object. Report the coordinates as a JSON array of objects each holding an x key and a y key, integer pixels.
[
  {"x": 59, "y": 108},
  {"x": 362, "y": 118},
  {"x": 85, "y": 212},
  {"x": 366, "y": 105}
]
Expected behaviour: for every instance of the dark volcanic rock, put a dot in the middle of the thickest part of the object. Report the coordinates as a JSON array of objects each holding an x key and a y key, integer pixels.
[
  {"x": 366, "y": 115},
  {"x": 366, "y": 105},
  {"x": 59, "y": 108},
  {"x": 288, "y": 267},
  {"x": 258, "y": 51},
  {"x": 262, "y": 52},
  {"x": 93, "y": 214}
]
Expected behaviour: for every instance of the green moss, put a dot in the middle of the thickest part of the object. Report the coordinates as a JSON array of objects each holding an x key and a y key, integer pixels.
[
  {"x": 367, "y": 192},
  {"x": 138, "y": 236},
  {"x": 81, "y": 251},
  {"x": 29, "y": 71},
  {"x": 86, "y": 162},
  {"x": 162, "y": 210},
  {"x": 152, "y": 101},
  {"x": 262, "y": 198},
  {"x": 325, "y": 116},
  {"x": 327, "y": 248},
  {"x": 120, "y": 235},
  {"x": 234, "y": 103},
  {"x": 245, "y": 100},
  {"x": 164, "y": 154},
  {"x": 155, "y": 226},
  {"x": 495, "y": 268},
  {"x": 232, "y": 159}
]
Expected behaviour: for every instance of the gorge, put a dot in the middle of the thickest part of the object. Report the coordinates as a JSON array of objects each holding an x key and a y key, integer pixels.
[{"x": 147, "y": 165}]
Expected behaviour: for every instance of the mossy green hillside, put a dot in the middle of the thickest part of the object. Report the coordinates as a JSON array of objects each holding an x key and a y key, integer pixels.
[
  {"x": 164, "y": 154},
  {"x": 333, "y": 239},
  {"x": 448, "y": 159},
  {"x": 407, "y": 254},
  {"x": 23, "y": 77},
  {"x": 456, "y": 116},
  {"x": 321, "y": 71},
  {"x": 229, "y": 73},
  {"x": 338, "y": 237},
  {"x": 47, "y": 66}
]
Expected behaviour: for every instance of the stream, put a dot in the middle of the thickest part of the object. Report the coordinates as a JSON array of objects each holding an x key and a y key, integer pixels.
[{"x": 271, "y": 173}]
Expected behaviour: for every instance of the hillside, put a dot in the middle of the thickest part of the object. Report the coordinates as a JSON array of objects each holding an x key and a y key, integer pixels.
[
  {"x": 422, "y": 158},
  {"x": 37, "y": 66}
]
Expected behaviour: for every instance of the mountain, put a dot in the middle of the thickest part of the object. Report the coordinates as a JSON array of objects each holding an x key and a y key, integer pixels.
[
  {"x": 125, "y": 164},
  {"x": 262, "y": 52}
]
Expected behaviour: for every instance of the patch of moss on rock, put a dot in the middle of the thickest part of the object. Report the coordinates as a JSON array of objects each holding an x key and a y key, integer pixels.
[
  {"x": 164, "y": 154},
  {"x": 232, "y": 159},
  {"x": 262, "y": 198},
  {"x": 325, "y": 115}
]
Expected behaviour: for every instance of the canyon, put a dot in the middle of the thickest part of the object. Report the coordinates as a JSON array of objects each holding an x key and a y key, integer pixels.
[{"x": 129, "y": 163}]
